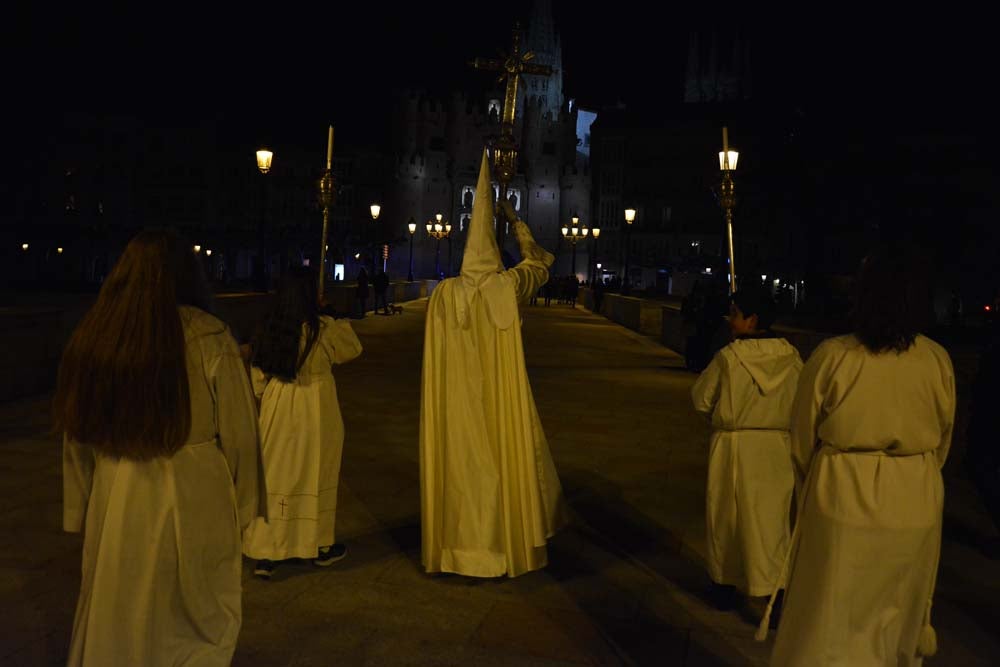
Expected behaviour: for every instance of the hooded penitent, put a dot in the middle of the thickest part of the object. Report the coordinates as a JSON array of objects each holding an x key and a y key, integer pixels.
[{"x": 490, "y": 496}]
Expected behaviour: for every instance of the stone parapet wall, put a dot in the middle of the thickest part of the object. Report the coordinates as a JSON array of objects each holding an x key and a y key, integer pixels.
[
  {"x": 663, "y": 321},
  {"x": 32, "y": 338}
]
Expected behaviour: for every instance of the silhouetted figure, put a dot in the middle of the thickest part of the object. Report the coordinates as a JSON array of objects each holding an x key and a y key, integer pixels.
[
  {"x": 361, "y": 293},
  {"x": 982, "y": 458},
  {"x": 598, "y": 293},
  {"x": 381, "y": 285}
]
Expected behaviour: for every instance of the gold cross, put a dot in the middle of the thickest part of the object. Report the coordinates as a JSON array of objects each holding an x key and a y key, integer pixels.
[{"x": 513, "y": 66}]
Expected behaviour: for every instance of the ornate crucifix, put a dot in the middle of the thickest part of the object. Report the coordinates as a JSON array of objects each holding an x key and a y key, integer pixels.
[{"x": 504, "y": 150}]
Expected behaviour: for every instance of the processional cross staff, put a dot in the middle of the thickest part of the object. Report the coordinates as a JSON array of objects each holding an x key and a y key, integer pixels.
[{"x": 504, "y": 151}]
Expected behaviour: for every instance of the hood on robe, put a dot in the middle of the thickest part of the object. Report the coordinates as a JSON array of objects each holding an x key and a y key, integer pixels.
[
  {"x": 481, "y": 265},
  {"x": 482, "y": 257},
  {"x": 769, "y": 361}
]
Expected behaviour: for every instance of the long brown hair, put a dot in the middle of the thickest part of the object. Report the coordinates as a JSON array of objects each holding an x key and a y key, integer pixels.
[
  {"x": 892, "y": 303},
  {"x": 122, "y": 385}
]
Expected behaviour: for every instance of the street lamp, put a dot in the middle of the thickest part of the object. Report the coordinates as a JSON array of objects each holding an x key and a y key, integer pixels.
[
  {"x": 264, "y": 158},
  {"x": 375, "y": 210},
  {"x": 727, "y": 200},
  {"x": 629, "y": 218},
  {"x": 412, "y": 226},
  {"x": 440, "y": 230},
  {"x": 573, "y": 234},
  {"x": 595, "y": 234}
]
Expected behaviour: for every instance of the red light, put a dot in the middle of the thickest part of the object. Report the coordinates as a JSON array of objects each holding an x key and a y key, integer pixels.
[{"x": 986, "y": 308}]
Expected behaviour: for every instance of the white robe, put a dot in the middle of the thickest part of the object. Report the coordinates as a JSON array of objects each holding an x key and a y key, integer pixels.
[
  {"x": 490, "y": 495},
  {"x": 161, "y": 551},
  {"x": 869, "y": 435},
  {"x": 302, "y": 439},
  {"x": 747, "y": 390}
]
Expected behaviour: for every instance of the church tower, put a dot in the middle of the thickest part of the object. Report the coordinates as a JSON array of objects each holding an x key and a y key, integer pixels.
[{"x": 718, "y": 68}]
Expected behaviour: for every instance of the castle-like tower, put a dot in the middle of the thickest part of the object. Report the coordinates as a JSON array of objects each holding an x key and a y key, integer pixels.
[
  {"x": 718, "y": 68},
  {"x": 440, "y": 141}
]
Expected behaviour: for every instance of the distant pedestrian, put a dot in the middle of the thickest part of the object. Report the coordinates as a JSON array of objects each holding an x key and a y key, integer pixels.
[
  {"x": 598, "y": 295},
  {"x": 871, "y": 428},
  {"x": 361, "y": 293},
  {"x": 301, "y": 430},
  {"x": 982, "y": 457},
  {"x": 161, "y": 466},
  {"x": 747, "y": 392},
  {"x": 381, "y": 285}
]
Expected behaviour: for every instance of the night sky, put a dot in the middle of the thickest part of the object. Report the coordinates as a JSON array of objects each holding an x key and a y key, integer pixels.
[{"x": 291, "y": 70}]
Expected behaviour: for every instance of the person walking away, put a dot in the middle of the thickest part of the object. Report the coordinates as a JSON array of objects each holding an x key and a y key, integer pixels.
[
  {"x": 490, "y": 496},
  {"x": 301, "y": 428},
  {"x": 871, "y": 428},
  {"x": 381, "y": 285},
  {"x": 161, "y": 464},
  {"x": 361, "y": 293},
  {"x": 982, "y": 457},
  {"x": 747, "y": 392}
]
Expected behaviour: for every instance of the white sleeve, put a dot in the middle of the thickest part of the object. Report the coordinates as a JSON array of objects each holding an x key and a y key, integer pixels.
[
  {"x": 533, "y": 270},
  {"x": 705, "y": 392},
  {"x": 236, "y": 420},
  {"x": 78, "y": 477}
]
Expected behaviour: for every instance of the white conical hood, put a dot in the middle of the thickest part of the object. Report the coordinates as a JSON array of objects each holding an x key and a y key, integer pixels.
[{"x": 482, "y": 257}]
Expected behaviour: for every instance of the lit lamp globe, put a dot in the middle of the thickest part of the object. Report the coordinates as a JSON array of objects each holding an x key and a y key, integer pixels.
[
  {"x": 630, "y": 215},
  {"x": 728, "y": 159},
  {"x": 264, "y": 157},
  {"x": 412, "y": 226},
  {"x": 447, "y": 228},
  {"x": 596, "y": 231},
  {"x": 375, "y": 209}
]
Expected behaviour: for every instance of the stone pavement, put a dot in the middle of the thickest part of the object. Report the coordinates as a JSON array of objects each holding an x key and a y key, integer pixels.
[{"x": 625, "y": 584}]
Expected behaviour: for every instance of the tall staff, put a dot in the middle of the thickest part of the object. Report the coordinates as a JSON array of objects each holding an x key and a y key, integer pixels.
[{"x": 327, "y": 195}]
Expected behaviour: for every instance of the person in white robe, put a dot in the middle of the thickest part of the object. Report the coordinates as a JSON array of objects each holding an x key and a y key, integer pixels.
[
  {"x": 161, "y": 553},
  {"x": 490, "y": 495},
  {"x": 747, "y": 391},
  {"x": 302, "y": 441},
  {"x": 872, "y": 424}
]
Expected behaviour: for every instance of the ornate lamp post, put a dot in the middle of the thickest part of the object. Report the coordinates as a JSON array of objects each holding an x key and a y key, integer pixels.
[
  {"x": 727, "y": 198},
  {"x": 264, "y": 157},
  {"x": 412, "y": 226},
  {"x": 574, "y": 234},
  {"x": 629, "y": 219},
  {"x": 595, "y": 233},
  {"x": 327, "y": 195},
  {"x": 375, "y": 210},
  {"x": 439, "y": 230}
]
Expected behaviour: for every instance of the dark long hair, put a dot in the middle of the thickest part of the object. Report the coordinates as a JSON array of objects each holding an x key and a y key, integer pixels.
[
  {"x": 122, "y": 385},
  {"x": 296, "y": 302},
  {"x": 893, "y": 298}
]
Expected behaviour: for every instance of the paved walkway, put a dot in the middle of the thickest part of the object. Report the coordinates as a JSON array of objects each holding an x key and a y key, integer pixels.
[{"x": 625, "y": 584}]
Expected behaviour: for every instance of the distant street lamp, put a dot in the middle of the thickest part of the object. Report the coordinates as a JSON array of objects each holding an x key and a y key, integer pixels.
[
  {"x": 629, "y": 218},
  {"x": 412, "y": 226},
  {"x": 727, "y": 199},
  {"x": 573, "y": 234},
  {"x": 440, "y": 230},
  {"x": 595, "y": 234},
  {"x": 375, "y": 210},
  {"x": 264, "y": 157}
]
